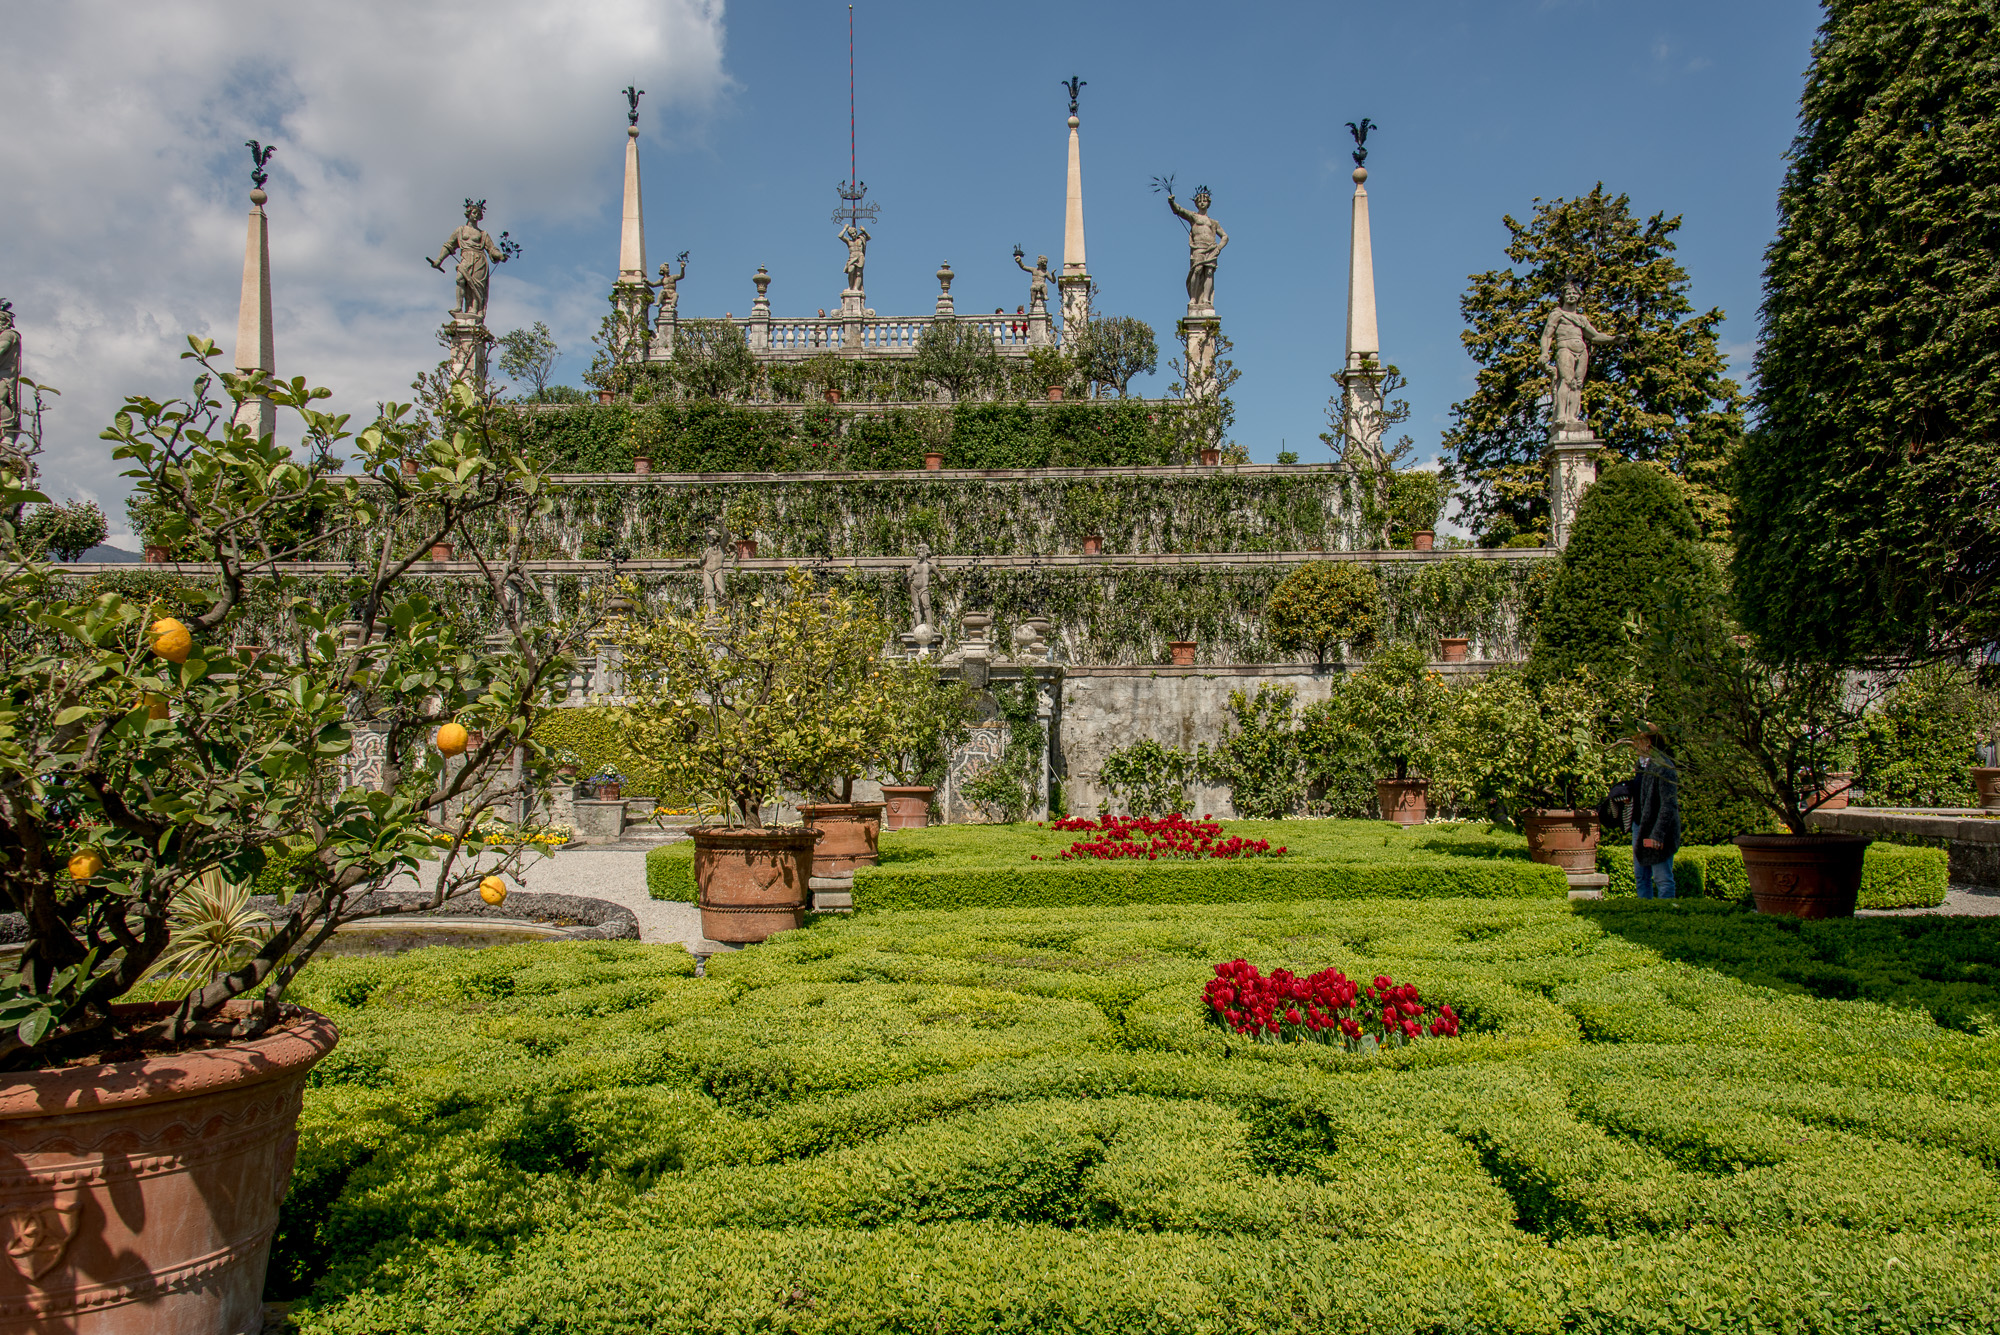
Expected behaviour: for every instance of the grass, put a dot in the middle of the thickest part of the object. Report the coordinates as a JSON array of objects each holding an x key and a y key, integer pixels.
[
  {"x": 993, "y": 866},
  {"x": 1014, "y": 1121}
]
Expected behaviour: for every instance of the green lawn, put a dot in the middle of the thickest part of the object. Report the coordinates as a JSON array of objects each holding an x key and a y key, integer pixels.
[
  {"x": 1013, "y": 1120},
  {"x": 992, "y": 866}
]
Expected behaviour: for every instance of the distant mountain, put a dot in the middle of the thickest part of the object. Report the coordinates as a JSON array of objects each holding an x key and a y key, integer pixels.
[{"x": 102, "y": 553}]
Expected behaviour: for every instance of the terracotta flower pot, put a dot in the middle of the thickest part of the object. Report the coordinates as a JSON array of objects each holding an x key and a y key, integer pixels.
[
  {"x": 1455, "y": 648},
  {"x": 1423, "y": 540},
  {"x": 1055, "y": 393},
  {"x": 833, "y": 396},
  {"x": 604, "y": 396},
  {"x": 1093, "y": 545},
  {"x": 606, "y": 792},
  {"x": 642, "y": 465},
  {"x": 441, "y": 551},
  {"x": 409, "y": 468},
  {"x": 752, "y": 882},
  {"x": 156, "y": 555},
  {"x": 1404, "y": 801},
  {"x": 908, "y": 806},
  {"x": 1210, "y": 458},
  {"x": 933, "y": 461},
  {"x": 1804, "y": 875},
  {"x": 1987, "y": 782},
  {"x": 1562, "y": 837},
  {"x": 1839, "y": 786},
  {"x": 1183, "y": 652},
  {"x": 849, "y": 835},
  {"x": 140, "y": 1196},
  {"x": 746, "y": 548}
]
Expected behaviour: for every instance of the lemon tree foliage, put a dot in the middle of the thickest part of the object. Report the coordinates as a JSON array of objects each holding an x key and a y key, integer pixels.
[
  {"x": 142, "y": 755},
  {"x": 1657, "y": 1118},
  {"x": 787, "y": 693},
  {"x": 1402, "y": 709},
  {"x": 1660, "y": 393},
  {"x": 1324, "y": 607},
  {"x": 1869, "y": 528},
  {"x": 1519, "y": 745}
]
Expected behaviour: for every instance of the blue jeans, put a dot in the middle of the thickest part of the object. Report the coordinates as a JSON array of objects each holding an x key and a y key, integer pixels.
[{"x": 1656, "y": 880}]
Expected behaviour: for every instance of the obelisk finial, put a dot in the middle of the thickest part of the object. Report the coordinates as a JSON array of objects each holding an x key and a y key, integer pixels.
[
  {"x": 632, "y": 96},
  {"x": 255, "y": 346}
]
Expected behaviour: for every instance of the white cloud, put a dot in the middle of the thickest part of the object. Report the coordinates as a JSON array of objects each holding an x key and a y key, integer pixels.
[{"x": 125, "y": 176}]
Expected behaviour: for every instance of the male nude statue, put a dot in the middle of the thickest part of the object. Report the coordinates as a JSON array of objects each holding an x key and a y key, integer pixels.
[
  {"x": 921, "y": 571},
  {"x": 670, "y": 290},
  {"x": 1205, "y": 242},
  {"x": 856, "y": 238},
  {"x": 1566, "y": 343},
  {"x": 1038, "y": 290},
  {"x": 474, "y": 249}
]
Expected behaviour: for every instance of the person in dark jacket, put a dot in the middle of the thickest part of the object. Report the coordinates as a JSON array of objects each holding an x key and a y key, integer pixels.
[{"x": 1656, "y": 815}]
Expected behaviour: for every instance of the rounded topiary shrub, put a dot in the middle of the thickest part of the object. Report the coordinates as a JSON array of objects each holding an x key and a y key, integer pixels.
[{"x": 1324, "y": 605}]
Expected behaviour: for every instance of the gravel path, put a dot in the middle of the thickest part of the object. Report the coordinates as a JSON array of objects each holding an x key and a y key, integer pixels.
[{"x": 1960, "y": 900}]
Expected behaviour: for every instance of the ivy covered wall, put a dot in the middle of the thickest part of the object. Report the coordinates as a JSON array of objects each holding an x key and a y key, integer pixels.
[{"x": 709, "y": 437}]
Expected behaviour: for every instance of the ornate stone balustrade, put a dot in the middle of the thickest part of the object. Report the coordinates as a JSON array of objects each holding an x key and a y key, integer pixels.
[{"x": 780, "y": 339}]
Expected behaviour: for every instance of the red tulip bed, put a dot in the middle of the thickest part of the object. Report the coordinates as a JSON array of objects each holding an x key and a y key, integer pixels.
[
  {"x": 1156, "y": 837},
  {"x": 1328, "y": 1007}
]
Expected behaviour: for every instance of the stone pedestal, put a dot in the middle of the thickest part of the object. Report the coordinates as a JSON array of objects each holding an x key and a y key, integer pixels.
[
  {"x": 853, "y": 312},
  {"x": 944, "y": 303},
  {"x": 760, "y": 312},
  {"x": 1572, "y": 460},
  {"x": 468, "y": 339},
  {"x": 599, "y": 822},
  {"x": 1201, "y": 333},
  {"x": 1075, "y": 291}
]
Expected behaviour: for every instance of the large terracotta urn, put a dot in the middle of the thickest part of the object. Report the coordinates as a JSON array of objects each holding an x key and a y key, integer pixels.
[
  {"x": 907, "y": 806},
  {"x": 1562, "y": 837},
  {"x": 139, "y": 1197},
  {"x": 1404, "y": 801},
  {"x": 1986, "y": 780},
  {"x": 849, "y": 835},
  {"x": 1804, "y": 875},
  {"x": 1182, "y": 651},
  {"x": 752, "y": 882}
]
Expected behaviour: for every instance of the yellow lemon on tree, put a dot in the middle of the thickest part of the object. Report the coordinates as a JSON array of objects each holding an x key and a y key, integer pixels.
[
  {"x": 493, "y": 890},
  {"x": 84, "y": 865},
  {"x": 451, "y": 739},
  {"x": 171, "y": 640},
  {"x": 156, "y": 705}
]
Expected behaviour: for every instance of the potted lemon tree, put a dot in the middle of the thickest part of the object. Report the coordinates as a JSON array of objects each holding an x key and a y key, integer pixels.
[
  {"x": 1399, "y": 706},
  {"x": 1537, "y": 755},
  {"x": 781, "y": 695},
  {"x": 147, "y": 773}
]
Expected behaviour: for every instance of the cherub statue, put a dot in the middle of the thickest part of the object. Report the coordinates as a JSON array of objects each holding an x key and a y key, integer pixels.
[{"x": 1038, "y": 290}]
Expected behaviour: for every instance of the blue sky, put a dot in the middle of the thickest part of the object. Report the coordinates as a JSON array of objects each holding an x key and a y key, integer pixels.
[{"x": 386, "y": 118}]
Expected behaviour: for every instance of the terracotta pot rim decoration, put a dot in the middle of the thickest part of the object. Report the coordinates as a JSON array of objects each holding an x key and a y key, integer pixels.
[
  {"x": 1804, "y": 875},
  {"x": 197, "y": 1144},
  {"x": 1564, "y": 837},
  {"x": 1986, "y": 782},
  {"x": 1403, "y": 801},
  {"x": 751, "y": 882},
  {"x": 907, "y": 805}
]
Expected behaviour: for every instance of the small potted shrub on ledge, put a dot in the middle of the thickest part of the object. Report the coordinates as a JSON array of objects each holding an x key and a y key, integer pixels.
[
  {"x": 782, "y": 695},
  {"x": 1537, "y": 755},
  {"x": 154, "y": 1070},
  {"x": 1399, "y": 705},
  {"x": 1765, "y": 732}
]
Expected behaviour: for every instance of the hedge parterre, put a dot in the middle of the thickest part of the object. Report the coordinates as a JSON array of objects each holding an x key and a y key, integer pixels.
[{"x": 1019, "y": 1120}]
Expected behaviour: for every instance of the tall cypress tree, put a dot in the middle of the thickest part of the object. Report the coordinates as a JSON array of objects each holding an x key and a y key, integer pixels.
[
  {"x": 1660, "y": 394},
  {"x": 1870, "y": 495}
]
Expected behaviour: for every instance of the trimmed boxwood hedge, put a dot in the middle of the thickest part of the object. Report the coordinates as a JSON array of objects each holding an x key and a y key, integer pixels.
[
  {"x": 1893, "y": 876},
  {"x": 1015, "y": 1120},
  {"x": 989, "y": 866}
]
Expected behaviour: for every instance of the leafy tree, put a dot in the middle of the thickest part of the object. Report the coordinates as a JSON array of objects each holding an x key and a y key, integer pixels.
[
  {"x": 1149, "y": 779},
  {"x": 1919, "y": 748},
  {"x": 1869, "y": 527},
  {"x": 66, "y": 528},
  {"x": 1258, "y": 758},
  {"x": 712, "y": 359},
  {"x": 1658, "y": 394},
  {"x": 1339, "y": 762},
  {"x": 1417, "y": 499},
  {"x": 529, "y": 355},
  {"x": 1324, "y": 605},
  {"x": 1634, "y": 536},
  {"x": 140, "y": 758},
  {"x": 956, "y": 356},
  {"x": 1115, "y": 349},
  {"x": 1519, "y": 745},
  {"x": 1402, "y": 708}
]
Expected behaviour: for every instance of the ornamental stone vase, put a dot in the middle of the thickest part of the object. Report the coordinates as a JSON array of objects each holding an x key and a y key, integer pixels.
[
  {"x": 1562, "y": 837},
  {"x": 1804, "y": 875},
  {"x": 906, "y": 806},
  {"x": 849, "y": 835},
  {"x": 1986, "y": 781},
  {"x": 752, "y": 883},
  {"x": 139, "y": 1197},
  {"x": 1404, "y": 801}
]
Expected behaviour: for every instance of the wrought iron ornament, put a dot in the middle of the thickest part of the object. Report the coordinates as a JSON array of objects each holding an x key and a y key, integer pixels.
[
  {"x": 259, "y": 155},
  {"x": 854, "y": 208},
  {"x": 632, "y": 96},
  {"x": 1360, "y": 133},
  {"x": 1073, "y": 84}
]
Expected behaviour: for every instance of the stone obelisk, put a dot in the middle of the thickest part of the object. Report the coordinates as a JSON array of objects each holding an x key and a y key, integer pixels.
[
  {"x": 634, "y": 297},
  {"x": 255, "y": 349},
  {"x": 1361, "y": 368},
  {"x": 1074, "y": 284}
]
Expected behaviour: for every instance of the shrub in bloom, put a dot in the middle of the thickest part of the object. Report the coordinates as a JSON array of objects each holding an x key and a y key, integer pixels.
[
  {"x": 1156, "y": 837},
  {"x": 1328, "y": 1007}
]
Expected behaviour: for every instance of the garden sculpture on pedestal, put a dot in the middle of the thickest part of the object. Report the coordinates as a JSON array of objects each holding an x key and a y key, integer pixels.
[
  {"x": 10, "y": 377},
  {"x": 1566, "y": 342},
  {"x": 1205, "y": 242},
  {"x": 714, "y": 570},
  {"x": 856, "y": 238},
  {"x": 1038, "y": 290},
  {"x": 669, "y": 288},
  {"x": 920, "y": 573},
  {"x": 474, "y": 248}
]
